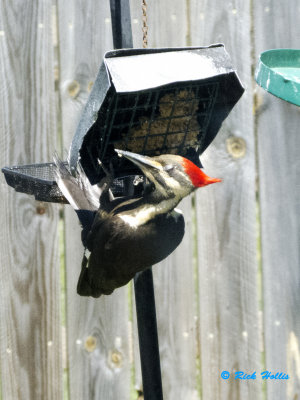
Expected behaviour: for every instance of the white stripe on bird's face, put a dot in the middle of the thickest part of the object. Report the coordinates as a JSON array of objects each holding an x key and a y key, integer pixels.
[{"x": 178, "y": 190}]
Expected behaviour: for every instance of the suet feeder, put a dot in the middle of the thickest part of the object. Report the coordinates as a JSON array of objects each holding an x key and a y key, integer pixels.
[{"x": 148, "y": 101}]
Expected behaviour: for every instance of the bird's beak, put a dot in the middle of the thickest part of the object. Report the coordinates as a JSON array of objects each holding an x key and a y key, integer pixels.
[
  {"x": 152, "y": 169},
  {"x": 143, "y": 162}
]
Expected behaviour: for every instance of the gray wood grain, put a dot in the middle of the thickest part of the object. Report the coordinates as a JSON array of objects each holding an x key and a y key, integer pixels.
[
  {"x": 29, "y": 283},
  {"x": 228, "y": 298},
  {"x": 176, "y": 318},
  {"x": 174, "y": 277},
  {"x": 176, "y": 311},
  {"x": 167, "y": 22},
  {"x": 277, "y": 26},
  {"x": 218, "y": 323},
  {"x": 97, "y": 330}
]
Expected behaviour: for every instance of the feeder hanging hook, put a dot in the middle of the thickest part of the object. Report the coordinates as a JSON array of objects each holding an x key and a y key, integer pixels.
[{"x": 145, "y": 26}]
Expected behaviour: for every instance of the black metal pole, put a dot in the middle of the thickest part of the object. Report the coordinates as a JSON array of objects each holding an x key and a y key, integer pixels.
[
  {"x": 148, "y": 338},
  {"x": 121, "y": 24},
  {"x": 143, "y": 281}
]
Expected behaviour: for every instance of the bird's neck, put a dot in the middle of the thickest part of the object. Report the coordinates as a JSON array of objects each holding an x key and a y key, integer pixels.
[{"x": 145, "y": 211}]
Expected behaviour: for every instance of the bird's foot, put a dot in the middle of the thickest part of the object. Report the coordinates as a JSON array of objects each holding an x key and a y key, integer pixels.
[{"x": 107, "y": 182}]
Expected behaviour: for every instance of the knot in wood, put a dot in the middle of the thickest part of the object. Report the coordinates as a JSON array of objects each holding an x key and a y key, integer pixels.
[
  {"x": 236, "y": 146},
  {"x": 90, "y": 344},
  {"x": 73, "y": 89},
  {"x": 41, "y": 209},
  {"x": 90, "y": 86},
  {"x": 116, "y": 359}
]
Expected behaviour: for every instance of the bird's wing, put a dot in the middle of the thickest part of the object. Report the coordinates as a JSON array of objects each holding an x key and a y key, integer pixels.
[
  {"x": 77, "y": 190},
  {"x": 118, "y": 253}
]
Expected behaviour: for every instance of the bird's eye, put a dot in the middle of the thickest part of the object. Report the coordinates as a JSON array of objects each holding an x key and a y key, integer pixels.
[{"x": 168, "y": 167}]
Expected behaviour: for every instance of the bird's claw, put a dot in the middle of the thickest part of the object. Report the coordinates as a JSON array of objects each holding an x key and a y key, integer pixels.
[{"x": 106, "y": 182}]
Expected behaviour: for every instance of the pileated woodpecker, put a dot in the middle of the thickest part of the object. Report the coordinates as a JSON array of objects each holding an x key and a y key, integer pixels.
[{"x": 129, "y": 235}]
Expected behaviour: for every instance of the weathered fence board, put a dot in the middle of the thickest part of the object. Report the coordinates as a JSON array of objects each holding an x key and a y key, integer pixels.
[
  {"x": 97, "y": 330},
  {"x": 176, "y": 310},
  {"x": 207, "y": 291},
  {"x": 277, "y": 25},
  {"x": 173, "y": 278},
  {"x": 176, "y": 319},
  {"x": 228, "y": 298},
  {"x": 29, "y": 284}
]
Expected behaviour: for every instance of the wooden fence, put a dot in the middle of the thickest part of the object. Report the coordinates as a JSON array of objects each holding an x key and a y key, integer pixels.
[{"x": 229, "y": 297}]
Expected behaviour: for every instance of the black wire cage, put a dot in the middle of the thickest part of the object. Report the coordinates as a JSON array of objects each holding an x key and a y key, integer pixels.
[{"x": 147, "y": 101}]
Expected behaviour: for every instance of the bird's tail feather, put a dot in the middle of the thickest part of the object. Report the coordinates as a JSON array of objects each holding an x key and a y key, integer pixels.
[{"x": 76, "y": 189}]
